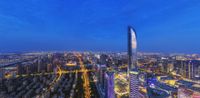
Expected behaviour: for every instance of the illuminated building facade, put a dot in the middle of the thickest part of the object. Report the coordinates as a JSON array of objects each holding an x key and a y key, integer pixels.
[
  {"x": 132, "y": 64},
  {"x": 110, "y": 93}
]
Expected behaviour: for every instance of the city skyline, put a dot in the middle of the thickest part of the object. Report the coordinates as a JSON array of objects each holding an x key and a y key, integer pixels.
[
  {"x": 100, "y": 75},
  {"x": 99, "y": 49},
  {"x": 99, "y": 25}
]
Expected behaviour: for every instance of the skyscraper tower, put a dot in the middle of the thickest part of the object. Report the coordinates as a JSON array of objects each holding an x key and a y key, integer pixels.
[
  {"x": 110, "y": 93},
  {"x": 132, "y": 64}
]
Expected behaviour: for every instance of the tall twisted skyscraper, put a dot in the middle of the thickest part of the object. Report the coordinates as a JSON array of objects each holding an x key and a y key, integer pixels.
[{"x": 132, "y": 64}]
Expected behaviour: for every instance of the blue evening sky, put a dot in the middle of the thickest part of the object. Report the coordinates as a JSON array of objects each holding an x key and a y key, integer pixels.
[{"x": 99, "y": 25}]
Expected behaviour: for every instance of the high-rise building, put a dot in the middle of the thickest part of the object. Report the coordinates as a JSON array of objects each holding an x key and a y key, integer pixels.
[
  {"x": 103, "y": 59},
  {"x": 39, "y": 65},
  {"x": 1, "y": 73},
  {"x": 110, "y": 93},
  {"x": 102, "y": 81},
  {"x": 102, "y": 76},
  {"x": 49, "y": 67},
  {"x": 188, "y": 69},
  {"x": 194, "y": 69},
  {"x": 132, "y": 64}
]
